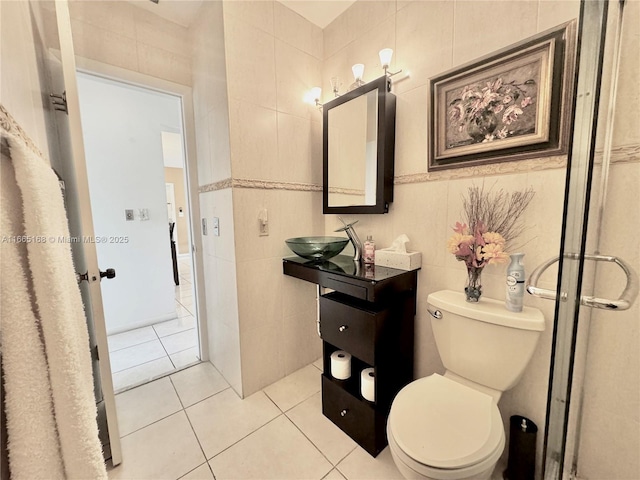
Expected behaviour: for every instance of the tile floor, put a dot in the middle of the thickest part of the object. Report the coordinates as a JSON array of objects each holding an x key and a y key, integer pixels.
[
  {"x": 149, "y": 352},
  {"x": 192, "y": 425}
]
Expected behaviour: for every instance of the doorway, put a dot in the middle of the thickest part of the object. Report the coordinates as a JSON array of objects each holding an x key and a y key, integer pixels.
[{"x": 135, "y": 148}]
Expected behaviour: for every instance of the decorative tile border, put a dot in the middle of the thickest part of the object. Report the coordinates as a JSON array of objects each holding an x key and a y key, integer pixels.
[
  {"x": 212, "y": 187},
  {"x": 622, "y": 154},
  {"x": 259, "y": 184},
  {"x": 347, "y": 191},
  {"x": 504, "y": 168}
]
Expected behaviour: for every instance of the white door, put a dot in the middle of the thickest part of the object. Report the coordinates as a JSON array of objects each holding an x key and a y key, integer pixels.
[{"x": 81, "y": 225}]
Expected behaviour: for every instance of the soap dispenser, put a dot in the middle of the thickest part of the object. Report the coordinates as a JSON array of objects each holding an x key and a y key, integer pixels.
[
  {"x": 515, "y": 283},
  {"x": 369, "y": 250}
]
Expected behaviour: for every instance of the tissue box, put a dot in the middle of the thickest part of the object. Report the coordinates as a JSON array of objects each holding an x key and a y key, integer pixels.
[{"x": 401, "y": 261}]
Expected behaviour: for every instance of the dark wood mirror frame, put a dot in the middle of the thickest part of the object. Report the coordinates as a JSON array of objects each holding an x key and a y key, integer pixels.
[{"x": 385, "y": 148}]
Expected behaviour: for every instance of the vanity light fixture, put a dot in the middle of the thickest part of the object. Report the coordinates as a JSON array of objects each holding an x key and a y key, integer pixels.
[
  {"x": 358, "y": 72},
  {"x": 385, "y": 60},
  {"x": 312, "y": 97}
]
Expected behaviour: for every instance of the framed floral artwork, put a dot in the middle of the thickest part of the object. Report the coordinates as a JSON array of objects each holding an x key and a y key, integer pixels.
[{"x": 512, "y": 104}]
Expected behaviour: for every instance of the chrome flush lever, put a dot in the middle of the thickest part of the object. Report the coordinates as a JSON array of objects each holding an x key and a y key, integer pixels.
[{"x": 437, "y": 314}]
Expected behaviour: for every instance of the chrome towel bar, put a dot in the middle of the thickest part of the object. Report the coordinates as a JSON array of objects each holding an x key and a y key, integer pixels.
[{"x": 623, "y": 303}]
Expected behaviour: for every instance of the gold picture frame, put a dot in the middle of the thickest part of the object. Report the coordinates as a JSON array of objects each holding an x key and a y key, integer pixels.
[{"x": 512, "y": 104}]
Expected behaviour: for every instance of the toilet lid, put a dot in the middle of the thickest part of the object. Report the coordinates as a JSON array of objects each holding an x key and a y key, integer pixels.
[{"x": 441, "y": 423}]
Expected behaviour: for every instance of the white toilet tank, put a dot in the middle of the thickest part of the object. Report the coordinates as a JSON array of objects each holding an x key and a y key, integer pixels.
[{"x": 484, "y": 342}]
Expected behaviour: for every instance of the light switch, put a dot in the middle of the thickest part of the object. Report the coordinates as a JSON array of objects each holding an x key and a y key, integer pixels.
[
  {"x": 216, "y": 226},
  {"x": 263, "y": 223}
]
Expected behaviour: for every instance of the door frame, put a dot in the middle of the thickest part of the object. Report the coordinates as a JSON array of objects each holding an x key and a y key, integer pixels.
[{"x": 184, "y": 92}]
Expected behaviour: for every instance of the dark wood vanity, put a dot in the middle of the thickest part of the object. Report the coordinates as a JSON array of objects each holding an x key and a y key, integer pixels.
[{"x": 369, "y": 314}]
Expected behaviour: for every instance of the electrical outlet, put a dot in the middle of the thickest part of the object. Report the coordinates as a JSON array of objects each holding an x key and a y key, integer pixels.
[
  {"x": 204, "y": 226},
  {"x": 128, "y": 215}
]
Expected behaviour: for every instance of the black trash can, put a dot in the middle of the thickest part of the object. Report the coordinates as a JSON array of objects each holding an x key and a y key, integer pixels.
[{"x": 522, "y": 449}]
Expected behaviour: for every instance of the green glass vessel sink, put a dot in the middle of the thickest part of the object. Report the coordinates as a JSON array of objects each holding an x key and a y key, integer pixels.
[{"x": 317, "y": 248}]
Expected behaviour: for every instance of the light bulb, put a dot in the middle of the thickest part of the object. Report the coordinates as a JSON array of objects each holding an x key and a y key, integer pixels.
[
  {"x": 312, "y": 97},
  {"x": 385, "y": 57},
  {"x": 358, "y": 71}
]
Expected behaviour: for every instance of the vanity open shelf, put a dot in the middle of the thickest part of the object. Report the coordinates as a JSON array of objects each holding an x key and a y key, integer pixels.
[{"x": 369, "y": 313}]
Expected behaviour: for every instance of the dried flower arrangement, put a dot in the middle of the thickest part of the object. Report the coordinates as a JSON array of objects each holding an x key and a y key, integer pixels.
[{"x": 492, "y": 223}]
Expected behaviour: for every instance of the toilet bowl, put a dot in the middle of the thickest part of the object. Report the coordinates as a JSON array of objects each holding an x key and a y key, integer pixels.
[
  {"x": 441, "y": 429},
  {"x": 449, "y": 427}
]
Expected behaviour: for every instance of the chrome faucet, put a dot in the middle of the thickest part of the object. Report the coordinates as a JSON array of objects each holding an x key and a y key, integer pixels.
[{"x": 353, "y": 236}]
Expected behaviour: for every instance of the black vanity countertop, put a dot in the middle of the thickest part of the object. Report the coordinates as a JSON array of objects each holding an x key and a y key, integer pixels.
[{"x": 341, "y": 273}]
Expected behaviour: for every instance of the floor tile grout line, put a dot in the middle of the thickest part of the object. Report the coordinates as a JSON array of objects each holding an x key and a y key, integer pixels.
[
  {"x": 153, "y": 423},
  {"x": 183, "y": 350},
  {"x": 293, "y": 406},
  {"x": 169, "y": 356},
  {"x": 194, "y": 469},
  {"x": 338, "y": 469},
  {"x": 324, "y": 478},
  {"x": 177, "y": 393},
  {"x": 127, "y": 388},
  {"x": 272, "y": 401},
  {"x": 206, "y": 398},
  {"x": 350, "y": 452},
  {"x": 140, "y": 364},
  {"x": 195, "y": 434},
  {"x": 176, "y": 333},
  {"x": 247, "y": 435},
  {"x": 133, "y": 345},
  {"x": 312, "y": 443}
]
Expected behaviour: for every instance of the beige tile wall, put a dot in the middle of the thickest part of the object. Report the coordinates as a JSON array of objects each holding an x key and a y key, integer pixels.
[
  {"x": 121, "y": 34},
  {"x": 429, "y": 38},
  {"x": 221, "y": 282},
  {"x": 214, "y": 163},
  {"x": 273, "y": 57}
]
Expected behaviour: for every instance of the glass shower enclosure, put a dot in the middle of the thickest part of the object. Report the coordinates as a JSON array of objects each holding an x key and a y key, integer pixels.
[{"x": 593, "y": 407}]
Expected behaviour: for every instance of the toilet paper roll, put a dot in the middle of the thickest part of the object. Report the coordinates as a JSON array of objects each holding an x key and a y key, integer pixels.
[
  {"x": 341, "y": 365},
  {"x": 368, "y": 384}
]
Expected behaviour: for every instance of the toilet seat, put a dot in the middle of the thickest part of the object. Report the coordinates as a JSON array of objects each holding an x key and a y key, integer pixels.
[{"x": 438, "y": 424}]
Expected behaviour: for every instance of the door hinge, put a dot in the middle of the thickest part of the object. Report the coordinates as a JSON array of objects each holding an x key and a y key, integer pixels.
[
  {"x": 95, "y": 356},
  {"x": 59, "y": 102}
]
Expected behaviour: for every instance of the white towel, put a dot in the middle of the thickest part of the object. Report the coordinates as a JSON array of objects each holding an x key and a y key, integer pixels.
[
  {"x": 33, "y": 440},
  {"x": 48, "y": 294}
]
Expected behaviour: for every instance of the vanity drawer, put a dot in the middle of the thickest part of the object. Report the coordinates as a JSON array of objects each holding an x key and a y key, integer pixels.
[
  {"x": 349, "y": 328},
  {"x": 337, "y": 284},
  {"x": 356, "y": 417}
]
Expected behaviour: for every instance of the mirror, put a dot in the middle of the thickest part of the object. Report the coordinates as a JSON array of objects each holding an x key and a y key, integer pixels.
[{"x": 359, "y": 138}]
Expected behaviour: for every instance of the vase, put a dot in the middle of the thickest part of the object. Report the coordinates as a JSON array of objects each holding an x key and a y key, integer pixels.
[
  {"x": 473, "y": 288},
  {"x": 479, "y": 127}
]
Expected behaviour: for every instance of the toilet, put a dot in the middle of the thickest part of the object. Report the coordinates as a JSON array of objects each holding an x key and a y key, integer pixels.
[{"x": 449, "y": 426}]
